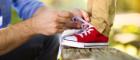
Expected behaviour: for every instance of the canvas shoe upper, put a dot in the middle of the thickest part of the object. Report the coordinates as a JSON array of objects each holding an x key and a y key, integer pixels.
[{"x": 87, "y": 37}]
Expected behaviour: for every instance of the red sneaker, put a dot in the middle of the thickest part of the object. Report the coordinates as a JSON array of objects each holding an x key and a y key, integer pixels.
[{"x": 87, "y": 37}]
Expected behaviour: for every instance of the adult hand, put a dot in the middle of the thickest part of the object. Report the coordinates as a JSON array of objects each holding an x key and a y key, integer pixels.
[
  {"x": 49, "y": 21},
  {"x": 78, "y": 12}
]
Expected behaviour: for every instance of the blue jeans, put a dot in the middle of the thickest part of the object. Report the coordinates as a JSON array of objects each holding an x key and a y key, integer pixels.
[{"x": 39, "y": 47}]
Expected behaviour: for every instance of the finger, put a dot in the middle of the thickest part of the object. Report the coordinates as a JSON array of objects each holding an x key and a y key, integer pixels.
[
  {"x": 76, "y": 12},
  {"x": 71, "y": 25},
  {"x": 81, "y": 13},
  {"x": 60, "y": 26},
  {"x": 85, "y": 15},
  {"x": 63, "y": 20},
  {"x": 65, "y": 14},
  {"x": 60, "y": 30}
]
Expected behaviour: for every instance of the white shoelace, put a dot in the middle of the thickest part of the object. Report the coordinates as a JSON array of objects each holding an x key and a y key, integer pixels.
[
  {"x": 85, "y": 32},
  {"x": 85, "y": 26}
]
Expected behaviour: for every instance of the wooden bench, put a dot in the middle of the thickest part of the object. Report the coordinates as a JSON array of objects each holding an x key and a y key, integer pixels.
[{"x": 95, "y": 54}]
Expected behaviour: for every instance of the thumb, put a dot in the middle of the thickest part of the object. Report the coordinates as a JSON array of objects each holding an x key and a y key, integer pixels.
[{"x": 85, "y": 15}]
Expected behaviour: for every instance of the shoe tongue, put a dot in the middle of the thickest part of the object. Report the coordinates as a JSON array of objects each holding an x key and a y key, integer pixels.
[{"x": 79, "y": 32}]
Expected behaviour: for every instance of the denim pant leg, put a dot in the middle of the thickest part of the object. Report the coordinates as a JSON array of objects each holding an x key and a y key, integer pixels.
[
  {"x": 38, "y": 47},
  {"x": 50, "y": 49}
]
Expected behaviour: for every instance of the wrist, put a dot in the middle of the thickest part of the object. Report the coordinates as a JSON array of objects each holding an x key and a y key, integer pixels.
[
  {"x": 40, "y": 10},
  {"x": 29, "y": 28}
]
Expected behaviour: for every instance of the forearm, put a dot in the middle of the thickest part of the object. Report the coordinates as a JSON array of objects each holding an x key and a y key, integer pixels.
[{"x": 15, "y": 35}]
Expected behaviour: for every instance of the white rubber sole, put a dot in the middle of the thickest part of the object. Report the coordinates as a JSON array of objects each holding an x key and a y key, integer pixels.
[{"x": 83, "y": 45}]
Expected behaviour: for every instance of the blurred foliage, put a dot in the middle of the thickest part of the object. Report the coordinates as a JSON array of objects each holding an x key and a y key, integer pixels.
[
  {"x": 130, "y": 29},
  {"x": 128, "y": 6},
  {"x": 66, "y": 4},
  {"x": 15, "y": 17},
  {"x": 131, "y": 47}
]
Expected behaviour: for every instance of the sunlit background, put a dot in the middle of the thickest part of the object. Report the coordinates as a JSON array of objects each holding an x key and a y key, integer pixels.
[{"x": 125, "y": 33}]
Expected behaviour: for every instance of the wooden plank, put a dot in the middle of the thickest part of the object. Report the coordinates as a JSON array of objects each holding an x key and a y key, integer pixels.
[{"x": 95, "y": 54}]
